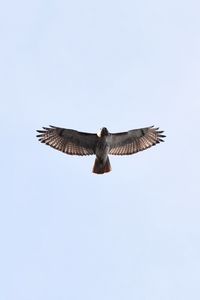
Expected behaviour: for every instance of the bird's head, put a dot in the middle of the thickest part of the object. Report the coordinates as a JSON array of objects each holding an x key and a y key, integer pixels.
[{"x": 103, "y": 132}]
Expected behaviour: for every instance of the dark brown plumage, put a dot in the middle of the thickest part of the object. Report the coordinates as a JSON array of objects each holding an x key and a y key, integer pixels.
[{"x": 81, "y": 143}]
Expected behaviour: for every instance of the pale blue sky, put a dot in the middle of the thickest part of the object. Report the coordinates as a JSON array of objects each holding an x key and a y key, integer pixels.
[{"x": 69, "y": 234}]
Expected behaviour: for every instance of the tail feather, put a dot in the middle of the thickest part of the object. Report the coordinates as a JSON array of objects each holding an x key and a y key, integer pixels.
[{"x": 101, "y": 167}]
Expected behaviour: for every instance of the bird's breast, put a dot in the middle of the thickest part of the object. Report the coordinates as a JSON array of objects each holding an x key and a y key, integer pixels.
[{"x": 102, "y": 149}]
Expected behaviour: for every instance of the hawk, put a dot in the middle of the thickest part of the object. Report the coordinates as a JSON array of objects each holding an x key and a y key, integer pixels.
[{"x": 102, "y": 144}]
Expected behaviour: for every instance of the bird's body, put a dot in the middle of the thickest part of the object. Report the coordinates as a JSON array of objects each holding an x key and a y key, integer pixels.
[
  {"x": 102, "y": 163},
  {"x": 101, "y": 144}
]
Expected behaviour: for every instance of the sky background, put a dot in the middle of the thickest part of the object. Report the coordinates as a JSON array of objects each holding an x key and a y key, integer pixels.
[{"x": 66, "y": 233}]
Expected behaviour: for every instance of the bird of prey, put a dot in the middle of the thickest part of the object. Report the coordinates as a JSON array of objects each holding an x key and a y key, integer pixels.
[{"x": 101, "y": 144}]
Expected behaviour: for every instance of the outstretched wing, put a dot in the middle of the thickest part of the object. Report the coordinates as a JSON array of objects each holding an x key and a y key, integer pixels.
[
  {"x": 68, "y": 140},
  {"x": 132, "y": 141}
]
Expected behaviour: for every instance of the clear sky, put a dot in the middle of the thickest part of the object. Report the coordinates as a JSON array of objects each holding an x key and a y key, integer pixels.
[{"x": 66, "y": 233}]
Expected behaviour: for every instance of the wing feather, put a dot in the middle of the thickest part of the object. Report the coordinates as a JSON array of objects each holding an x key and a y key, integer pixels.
[
  {"x": 68, "y": 140},
  {"x": 135, "y": 140}
]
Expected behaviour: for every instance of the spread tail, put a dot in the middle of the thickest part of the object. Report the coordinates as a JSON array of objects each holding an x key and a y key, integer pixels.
[{"x": 100, "y": 167}]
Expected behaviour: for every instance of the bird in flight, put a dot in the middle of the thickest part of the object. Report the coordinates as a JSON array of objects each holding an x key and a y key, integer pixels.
[{"x": 102, "y": 144}]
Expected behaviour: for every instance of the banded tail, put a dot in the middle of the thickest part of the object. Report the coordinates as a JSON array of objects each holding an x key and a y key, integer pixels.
[{"x": 100, "y": 167}]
